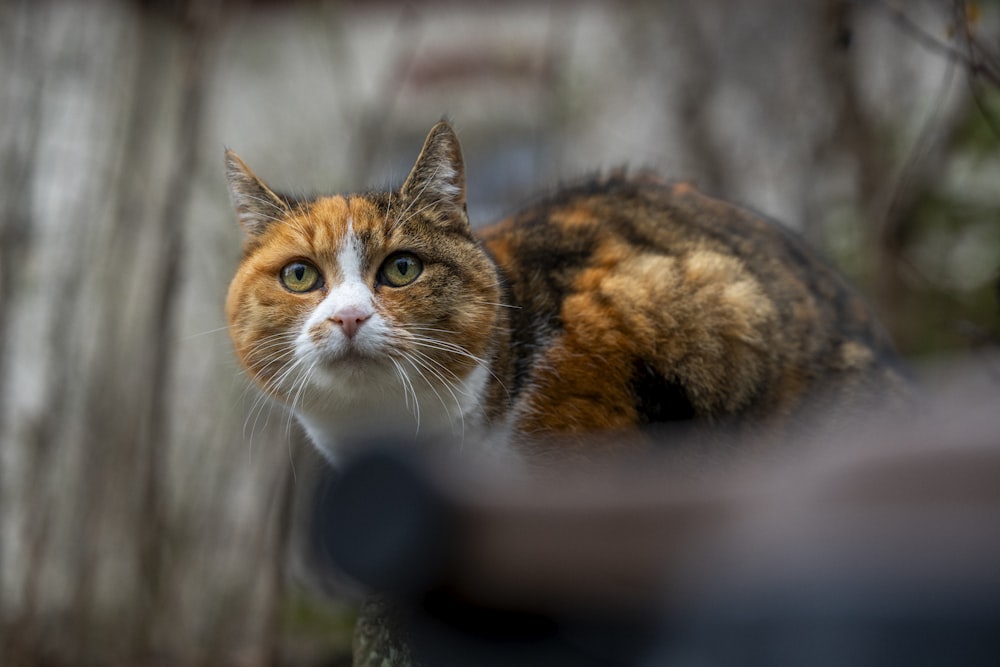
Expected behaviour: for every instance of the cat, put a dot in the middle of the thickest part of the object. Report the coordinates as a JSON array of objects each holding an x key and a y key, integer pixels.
[
  {"x": 611, "y": 306},
  {"x": 594, "y": 319}
]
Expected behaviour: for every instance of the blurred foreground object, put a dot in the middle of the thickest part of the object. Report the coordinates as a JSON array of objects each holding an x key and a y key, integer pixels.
[{"x": 880, "y": 546}]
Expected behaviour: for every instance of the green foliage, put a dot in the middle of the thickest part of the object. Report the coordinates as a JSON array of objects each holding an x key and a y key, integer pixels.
[
  {"x": 979, "y": 135},
  {"x": 315, "y": 630}
]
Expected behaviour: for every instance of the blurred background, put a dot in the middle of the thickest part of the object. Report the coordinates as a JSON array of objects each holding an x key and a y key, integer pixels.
[{"x": 146, "y": 490}]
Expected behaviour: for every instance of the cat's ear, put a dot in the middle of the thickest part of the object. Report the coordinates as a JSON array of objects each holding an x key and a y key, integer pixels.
[
  {"x": 438, "y": 177},
  {"x": 257, "y": 206}
]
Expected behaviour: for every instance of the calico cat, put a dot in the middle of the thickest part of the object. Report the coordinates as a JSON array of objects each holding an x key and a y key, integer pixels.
[{"x": 612, "y": 305}]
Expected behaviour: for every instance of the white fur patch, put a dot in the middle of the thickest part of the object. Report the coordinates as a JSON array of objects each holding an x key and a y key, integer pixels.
[
  {"x": 444, "y": 182},
  {"x": 355, "y": 389},
  {"x": 352, "y": 290}
]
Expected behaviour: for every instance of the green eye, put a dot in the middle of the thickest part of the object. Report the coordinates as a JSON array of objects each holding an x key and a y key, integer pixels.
[
  {"x": 401, "y": 269},
  {"x": 300, "y": 277}
]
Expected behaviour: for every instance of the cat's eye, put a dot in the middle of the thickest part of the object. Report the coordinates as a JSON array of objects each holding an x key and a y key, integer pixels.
[
  {"x": 400, "y": 269},
  {"x": 300, "y": 277}
]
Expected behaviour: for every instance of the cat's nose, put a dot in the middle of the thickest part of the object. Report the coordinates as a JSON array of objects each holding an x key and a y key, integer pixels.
[{"x": 350, "y": 319}]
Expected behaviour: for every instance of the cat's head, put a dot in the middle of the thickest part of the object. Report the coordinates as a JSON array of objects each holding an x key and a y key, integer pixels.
[{"x": 365, "y": 310}]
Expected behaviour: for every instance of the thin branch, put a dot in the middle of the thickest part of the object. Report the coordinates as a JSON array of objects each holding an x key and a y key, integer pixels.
[
  {"x": 982, "y": 61},
  {"x": 977, "y": 60}
]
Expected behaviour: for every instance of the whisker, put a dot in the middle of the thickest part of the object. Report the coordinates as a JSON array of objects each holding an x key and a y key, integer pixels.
[
  {"x": 408, "y": 390},
  {"x": 417, "y": 364},
  {"x": 417, "y": 197},
  {"x": 203, "y": 333},
  {"x": 268, "y": 202},
  {"x": 445, "y": 346},
  {"x": 442, "y": 369},
  {"x": 400, "y": 220},
  {"x": 498, "y": 305},
  {"x": 419, "y": 360},
  {"x": 452, "y": 348},
  {"x": 388, "y": 208}
]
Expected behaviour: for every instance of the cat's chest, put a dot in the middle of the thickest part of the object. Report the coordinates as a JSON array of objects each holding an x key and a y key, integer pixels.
[{"x": 395, "y": 403}]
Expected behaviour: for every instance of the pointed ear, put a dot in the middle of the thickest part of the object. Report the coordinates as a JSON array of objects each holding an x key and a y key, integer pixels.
[
  {"x": 257, "y": 206},
  {"x": 438, "y": 177}
]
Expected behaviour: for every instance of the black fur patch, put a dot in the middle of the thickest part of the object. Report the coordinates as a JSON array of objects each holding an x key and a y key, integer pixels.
[{"x": 659, "y": 400}]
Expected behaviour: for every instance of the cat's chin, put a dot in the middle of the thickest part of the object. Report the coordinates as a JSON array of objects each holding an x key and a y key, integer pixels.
[
  {"x": 351, "y": 361},
  {"x": 350, "y": 370}
]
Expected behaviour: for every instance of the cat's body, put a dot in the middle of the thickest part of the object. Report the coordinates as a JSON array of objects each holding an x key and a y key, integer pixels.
[{"x": 617, "y": 304}]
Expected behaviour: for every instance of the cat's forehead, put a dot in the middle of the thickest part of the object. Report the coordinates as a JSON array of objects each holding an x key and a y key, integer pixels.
[
  {"x": 321, "y": 228},
  {"x": 337, "y": 214},
  {"x": 326, "y": 221}
]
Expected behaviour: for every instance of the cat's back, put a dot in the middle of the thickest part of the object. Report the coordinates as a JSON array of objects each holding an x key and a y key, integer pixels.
[{"x": 636, "y": 301}]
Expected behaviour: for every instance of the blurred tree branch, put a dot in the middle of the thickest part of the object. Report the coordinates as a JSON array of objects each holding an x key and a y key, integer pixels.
[{"x": 960, "y": 43}]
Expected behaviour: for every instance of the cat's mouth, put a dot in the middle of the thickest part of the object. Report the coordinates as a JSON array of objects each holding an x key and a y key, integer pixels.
[{"x": 346, "y": 357}]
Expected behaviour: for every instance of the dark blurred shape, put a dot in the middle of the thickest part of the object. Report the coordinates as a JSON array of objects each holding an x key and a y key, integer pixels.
[
  {"x": 877, "y": 546},
  {"x": 385, "y": 524},
  {"x": 838, "y": 620}
]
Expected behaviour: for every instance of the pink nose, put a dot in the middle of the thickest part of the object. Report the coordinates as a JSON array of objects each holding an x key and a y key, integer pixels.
[{"x": 350, "y": 319}]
